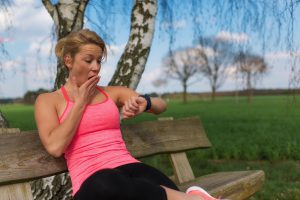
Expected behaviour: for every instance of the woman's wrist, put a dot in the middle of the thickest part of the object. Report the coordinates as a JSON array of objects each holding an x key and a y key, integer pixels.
[
  {"x": 78, "y": 105},
  {"x": 148, "y": 100}
]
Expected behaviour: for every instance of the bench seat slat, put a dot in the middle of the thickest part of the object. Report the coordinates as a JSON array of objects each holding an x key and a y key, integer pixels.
[
  {"x": 22, "y": 157},
  {"x": 232, "y": 185}
]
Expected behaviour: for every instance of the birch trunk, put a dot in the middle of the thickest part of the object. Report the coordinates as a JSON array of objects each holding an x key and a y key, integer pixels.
[
  {"x": 3, "y": 121},
  {"x": 132, "y": 62},
  {"x": 67, "y": 16}
]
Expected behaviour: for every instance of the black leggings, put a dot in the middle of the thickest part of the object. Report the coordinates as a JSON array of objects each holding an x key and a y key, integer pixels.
[{"x": 135, "y": 181}]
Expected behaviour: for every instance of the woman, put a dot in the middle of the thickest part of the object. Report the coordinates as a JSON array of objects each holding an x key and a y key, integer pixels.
[{"x": 81, "y": 120}]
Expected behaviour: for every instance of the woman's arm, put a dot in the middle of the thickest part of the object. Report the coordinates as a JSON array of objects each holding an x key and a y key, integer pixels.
[
  {"x": 55, "y": 136},
  {"x": 133, "y": 104}
]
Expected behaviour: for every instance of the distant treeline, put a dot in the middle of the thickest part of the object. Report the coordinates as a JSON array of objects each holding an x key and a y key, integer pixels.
[
  {"x": 257, "y": 92},
  {"x": 30, "y": 96}
]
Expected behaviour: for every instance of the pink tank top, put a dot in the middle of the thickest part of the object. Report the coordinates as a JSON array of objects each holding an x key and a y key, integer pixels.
[{"x": 97, "y": 143}]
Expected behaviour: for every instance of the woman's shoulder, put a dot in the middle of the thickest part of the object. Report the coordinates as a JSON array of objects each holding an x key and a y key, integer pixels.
[{"x": 49, "y": 98}]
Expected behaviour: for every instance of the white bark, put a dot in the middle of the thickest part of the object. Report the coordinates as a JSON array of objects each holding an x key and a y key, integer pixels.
[
  {"x": 132, "y": 63},
  {"x": 67, "y": 16}
]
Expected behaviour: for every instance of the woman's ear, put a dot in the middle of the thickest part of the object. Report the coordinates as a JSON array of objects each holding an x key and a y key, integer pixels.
[{"x": 68, "y": 61}]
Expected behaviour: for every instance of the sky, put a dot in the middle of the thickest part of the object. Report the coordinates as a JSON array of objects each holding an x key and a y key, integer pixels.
[{"x": 30, "y": 33}]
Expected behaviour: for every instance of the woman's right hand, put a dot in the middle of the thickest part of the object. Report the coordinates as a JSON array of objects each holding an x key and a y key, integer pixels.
[{"x": 84, "y": 94}]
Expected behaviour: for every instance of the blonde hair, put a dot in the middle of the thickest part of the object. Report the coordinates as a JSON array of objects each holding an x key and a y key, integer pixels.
[{"x": 71, "y": 44}]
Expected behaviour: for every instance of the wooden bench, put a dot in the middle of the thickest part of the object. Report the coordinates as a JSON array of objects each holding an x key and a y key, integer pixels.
[{"x": 23, "y": 158}]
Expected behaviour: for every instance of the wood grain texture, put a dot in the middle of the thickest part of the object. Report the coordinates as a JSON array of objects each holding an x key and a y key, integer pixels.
[
  {"x": 22, "y": 156},
  {"x": 181, "y": 167},
  {"x": 9, "y": 130},
  {"x": 153, "y": 137},
  {"x": 19, "y": 191},
  {"x": 232, "y": 185}
]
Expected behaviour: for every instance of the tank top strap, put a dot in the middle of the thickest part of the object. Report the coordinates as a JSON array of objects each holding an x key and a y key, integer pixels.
[
  {"x": 102, "y": 91},
  {"x": 63, "y": 90}
]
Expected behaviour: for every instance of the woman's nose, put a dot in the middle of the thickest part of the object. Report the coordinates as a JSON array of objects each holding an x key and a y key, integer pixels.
[{"x": 95, "y": 66}]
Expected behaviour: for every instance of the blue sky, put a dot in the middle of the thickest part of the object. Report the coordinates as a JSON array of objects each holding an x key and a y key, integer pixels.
[{"x": 30, "y": 32}]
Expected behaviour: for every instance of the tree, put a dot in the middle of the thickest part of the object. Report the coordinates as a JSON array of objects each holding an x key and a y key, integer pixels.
[
  {"x": 183, "y": 65},
  {"x": 218, "y": 55},
  {"x": 133, "y": 60},
  {"x": 252, "y": 68},
  {"x": 3, "y": 121},
  {"x": 67, "y": 16}
]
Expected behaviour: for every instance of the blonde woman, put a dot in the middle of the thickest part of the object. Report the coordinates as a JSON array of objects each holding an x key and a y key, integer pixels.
[{"x": 81, "y": 121}]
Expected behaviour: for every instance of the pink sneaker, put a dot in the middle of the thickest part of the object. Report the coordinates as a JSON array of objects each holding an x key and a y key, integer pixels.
[{"x": 195, "y": 190}]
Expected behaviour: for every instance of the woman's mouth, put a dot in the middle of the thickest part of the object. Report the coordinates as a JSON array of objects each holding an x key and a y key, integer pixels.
[{"x": 90, "y": 77}]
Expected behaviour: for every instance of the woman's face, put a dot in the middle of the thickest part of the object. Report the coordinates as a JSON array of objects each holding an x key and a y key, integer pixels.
[{"x": 86, "y": 63}]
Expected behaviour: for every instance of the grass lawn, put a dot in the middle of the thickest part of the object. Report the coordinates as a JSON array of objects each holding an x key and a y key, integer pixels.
[{"x": 262, "y": 135}]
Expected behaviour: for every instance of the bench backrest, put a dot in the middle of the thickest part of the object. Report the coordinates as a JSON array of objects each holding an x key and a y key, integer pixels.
[{"x": 23, "y": 158}]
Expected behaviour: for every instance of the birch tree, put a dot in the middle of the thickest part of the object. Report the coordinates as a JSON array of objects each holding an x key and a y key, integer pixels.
[
  {"x": 67, "y": 16},
  {"x": 133, "y": 60}
]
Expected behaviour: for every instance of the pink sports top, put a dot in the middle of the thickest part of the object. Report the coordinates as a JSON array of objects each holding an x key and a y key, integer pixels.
[{"x": 97, "y": 143}]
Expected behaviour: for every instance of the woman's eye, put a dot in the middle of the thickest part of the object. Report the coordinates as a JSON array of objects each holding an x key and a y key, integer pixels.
[
  {"x": 88, "y": 61},
  {"x": 98, "y": 61}
]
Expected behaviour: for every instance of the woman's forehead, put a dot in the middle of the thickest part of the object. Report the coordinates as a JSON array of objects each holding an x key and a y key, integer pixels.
[{"x": 90, "y": 49}]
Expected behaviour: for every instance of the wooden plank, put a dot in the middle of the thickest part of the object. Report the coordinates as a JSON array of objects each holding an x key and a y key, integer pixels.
[
  {"x": 232, "y": 185},
  {"x": 153, "y": 137},
  {"x": 22, "y": 157},
  {"x": 20, "y": 191},
  {"x": 9, "y": 130},
  {"x": 182, "y": 168}
]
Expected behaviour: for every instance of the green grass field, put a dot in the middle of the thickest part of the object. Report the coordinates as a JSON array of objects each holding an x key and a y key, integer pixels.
[{"x": 262, "y": 135}]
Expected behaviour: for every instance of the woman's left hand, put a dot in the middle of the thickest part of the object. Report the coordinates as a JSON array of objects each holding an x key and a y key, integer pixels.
[{"x": 133, "y": 106}]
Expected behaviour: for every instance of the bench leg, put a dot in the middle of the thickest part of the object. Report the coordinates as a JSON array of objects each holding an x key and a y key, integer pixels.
[{"x": 20, "y": 191}]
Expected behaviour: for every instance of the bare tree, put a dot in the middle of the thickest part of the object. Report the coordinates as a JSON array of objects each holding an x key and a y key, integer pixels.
[
  {"x": 218, "y": 55},
  {"x": 252, "y": 68},
  {"x": 184, "y": 65}
]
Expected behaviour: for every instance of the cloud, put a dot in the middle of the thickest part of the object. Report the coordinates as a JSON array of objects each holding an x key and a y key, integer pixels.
[
  {"x": 44, "y": 48},
  {"x": 30, "y": 20},
  {"x": 233, "y": 37},
  {"x": 175, "y": 25},
  {"x": 281, "y": 55},
  {"x": 8, "y": 65},
  {"x": 3, "y": 40},
  {"x": 112, "y": 50}
]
